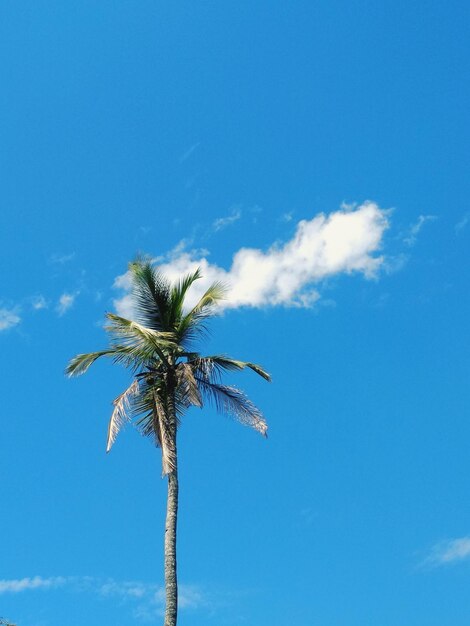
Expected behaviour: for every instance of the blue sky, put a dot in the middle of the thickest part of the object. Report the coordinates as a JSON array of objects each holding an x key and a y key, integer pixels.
[{"x": 314, "y": 155}]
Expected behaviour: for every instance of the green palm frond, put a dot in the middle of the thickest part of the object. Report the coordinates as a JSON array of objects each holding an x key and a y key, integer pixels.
[
  {"x": 193, "y": 324},
  {"x": 151, "y": 293},
  {"x": 132, "y": 357},
  {"x": 212, "y": 297},
  {"x": 80, "y": 363},
  {"x": 178, "y": 294},
  {"x": 133, "y": 332},
  {"x": 138, "y": 336},
  {"x": 234, "y": 403},
  {"x": 217, "y": 364}
]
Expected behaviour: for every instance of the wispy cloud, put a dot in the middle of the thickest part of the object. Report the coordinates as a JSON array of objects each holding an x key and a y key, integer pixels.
[
  {"x": 60, "y": 259},
  {"x": 9, "y": 318},
  {"x": 223, "y": 222},
  {"x": 307, "y": 516},
  {"x": 152, "y": 602},
  {"x": 449, "y": 552},
  {"x": 126, "y": 589},
  {"x": 187, "y": 153},
  {"x": 19, "y": 585},
  {"x": 39, "y": 302},
  {"x": 412, "y": 235},
  {"x": 287, "y": 217},
  {"x": 66, "y": 302},
  {"x": 395, "y": 263},
  {"x": 342, "y": 242},
  {"x": 147, "y": 600},
  {"x": 462, "y": 223}
]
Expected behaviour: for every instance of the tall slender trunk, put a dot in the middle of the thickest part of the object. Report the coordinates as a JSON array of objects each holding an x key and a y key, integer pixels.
[{"x": 171, "y": 584}]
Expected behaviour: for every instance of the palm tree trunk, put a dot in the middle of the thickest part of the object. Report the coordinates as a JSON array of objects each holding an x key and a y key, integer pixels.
[{"x": 171, "y": 585}]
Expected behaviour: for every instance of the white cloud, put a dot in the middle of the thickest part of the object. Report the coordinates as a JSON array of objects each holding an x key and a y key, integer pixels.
[
  {"x": 348, "y": 206},
  {"x": 62, "y": 258},
  {"x": 285, "y": 275},
  {"x": 461, "y": 224},
  {"x": 189, "y": 597},
  {"x": 451, "y": 551},
  {"x": 39, "y": 302},
  {"x": 148, "y": 599},
  {"x": 395, "y": 263},
  {"x": 410, "y": 238},
  {"x": 224, "y": 222},
  {"x": 66, "y": 301},
  {"x": 132, "y": 589},
  {"x": 29, "y": 584},
  {"x": 8, "y": 318}
]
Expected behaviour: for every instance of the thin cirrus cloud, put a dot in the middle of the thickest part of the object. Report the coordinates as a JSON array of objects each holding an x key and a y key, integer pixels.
[
  {"x": 150, "y": 597},
  {"x": 412, "y": 235},
  {"x": 145, "y": 599},
  {"x": 8, "y": 318},
  {"x": 344, "y": 242},
  {"x": 462, "y": 223},
  {"x": 29, "y": 584},
  {"x": 223, "y": 222},
  {"x": 61, "y": 259},
  {"x": 449, "y": 552}
]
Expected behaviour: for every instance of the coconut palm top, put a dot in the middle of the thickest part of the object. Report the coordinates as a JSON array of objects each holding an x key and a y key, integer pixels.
[{"x": 168, "y": 375}]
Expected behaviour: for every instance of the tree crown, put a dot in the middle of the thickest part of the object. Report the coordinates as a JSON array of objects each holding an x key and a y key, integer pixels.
[{"x": 169, "y": 376}]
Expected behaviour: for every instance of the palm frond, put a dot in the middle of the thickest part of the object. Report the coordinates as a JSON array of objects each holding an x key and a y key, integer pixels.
[
  {"x": 136, "y": 335},
  {"x": 193, "y": 325},
  {"x": 155, "y": 423},
  {"x": 213, "y": 295},
  {"x": 178, "y": 294},
  {"x": 132, "y": 357},
  {"x": 151, "y": 292},
  {"x": 259, "y": 370},
  {"x": 187, "y": 390},
  {"x": 80, "y": 363},
  {"x": 234, "y": 403},
  {"x": 133, "y": 331},
  {"x": 216, "y": 364},
  {"x": 166, "y": 437},
  {"x": 120, "y": 414}
]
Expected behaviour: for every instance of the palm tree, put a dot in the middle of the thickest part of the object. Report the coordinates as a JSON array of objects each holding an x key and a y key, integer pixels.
[{"x": 168, "y": 377}]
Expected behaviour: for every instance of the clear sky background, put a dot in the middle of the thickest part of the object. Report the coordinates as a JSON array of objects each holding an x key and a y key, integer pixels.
[{"x": 191, "y": 131}]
